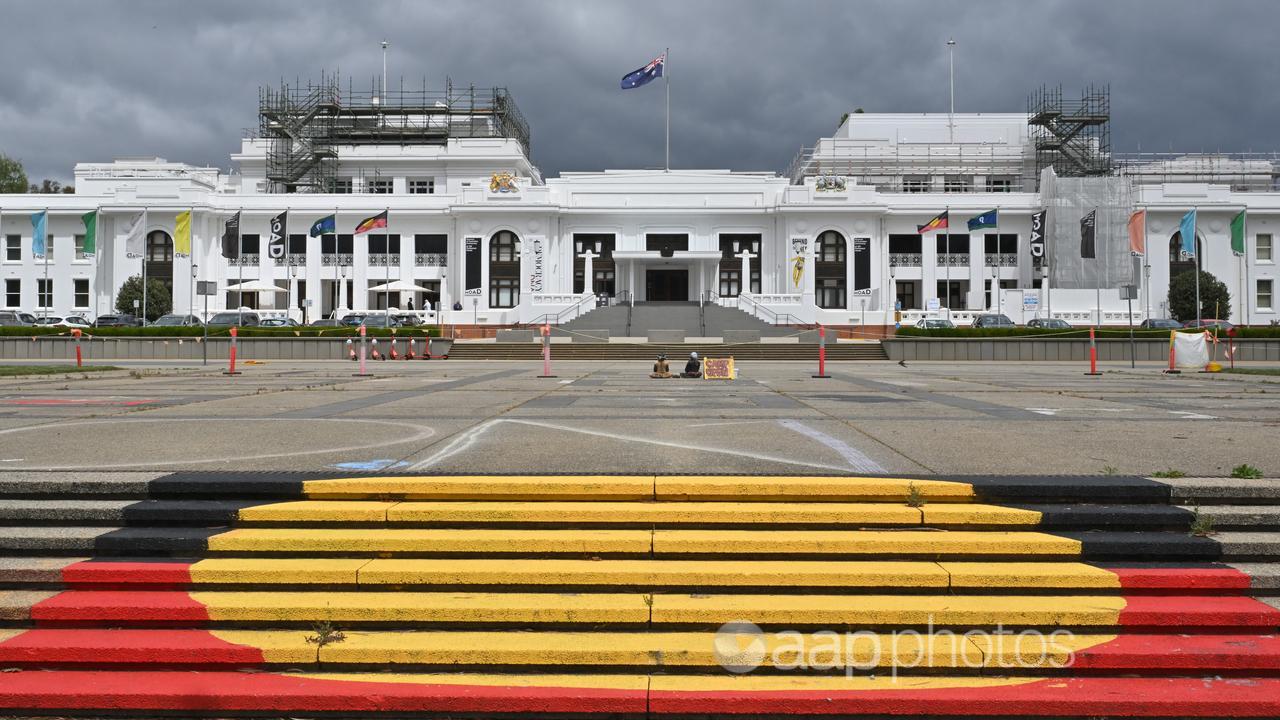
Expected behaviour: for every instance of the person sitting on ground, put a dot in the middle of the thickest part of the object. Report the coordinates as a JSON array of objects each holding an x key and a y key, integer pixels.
[
  {"x": 660, "y": 368},
  {"x": 693, "y": 368}
]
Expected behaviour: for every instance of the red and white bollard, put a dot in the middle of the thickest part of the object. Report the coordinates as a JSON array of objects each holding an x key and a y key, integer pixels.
[
  {"x": 546, "y": 351},
  {"x": 1093, "y": 354},
  {"x": 235, "y": 332},
  {"x": 1173, "y": 368},
  {"x": 363, "y": 338},
  {"x": 822, "y": 353},
  {"x": 76, "y": 333}
]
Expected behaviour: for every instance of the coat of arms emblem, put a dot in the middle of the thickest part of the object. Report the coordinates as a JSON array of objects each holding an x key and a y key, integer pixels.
[
  {"x": 829, "y": 183},
  {"x": 503, "y": 182}
]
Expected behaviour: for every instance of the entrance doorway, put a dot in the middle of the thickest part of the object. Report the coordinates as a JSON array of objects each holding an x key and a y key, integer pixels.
[{"x": 666, "y": 285}]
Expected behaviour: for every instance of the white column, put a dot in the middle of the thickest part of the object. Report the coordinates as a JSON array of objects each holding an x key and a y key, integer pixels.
[
  {"x": 745, "y": 287},
  {"x": 587, "y": 271}
]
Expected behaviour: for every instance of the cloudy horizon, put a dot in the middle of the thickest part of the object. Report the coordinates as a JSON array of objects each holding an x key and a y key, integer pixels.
[{"x": 751, "y": 81}]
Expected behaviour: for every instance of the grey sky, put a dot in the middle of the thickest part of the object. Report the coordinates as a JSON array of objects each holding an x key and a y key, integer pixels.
[{"x": 751, "y": 81}]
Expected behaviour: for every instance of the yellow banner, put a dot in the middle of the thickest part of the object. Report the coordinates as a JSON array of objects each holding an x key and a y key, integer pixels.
[{"x": 182, "y": 234}]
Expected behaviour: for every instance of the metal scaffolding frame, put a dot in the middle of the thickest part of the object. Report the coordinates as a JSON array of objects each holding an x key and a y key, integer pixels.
[
  {"x": 1072, "y": 137},
  {"x": 305, "y": 125}
]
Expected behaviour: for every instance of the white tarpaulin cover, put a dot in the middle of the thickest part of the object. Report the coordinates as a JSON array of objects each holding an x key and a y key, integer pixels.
[{"x": 1191, "y": 350}]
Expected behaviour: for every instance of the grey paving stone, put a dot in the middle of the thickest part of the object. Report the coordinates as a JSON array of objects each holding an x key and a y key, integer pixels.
[
  {"x": 1248, "y": 545},
  {"x": 70, "y": 512},
  {"x": 1193, "y": 489},
  {"x": 76, "y": 484},
  {"x": 1265, "y": 576},
  {"x": 50, "y": 539},
  {"x": 1243, "y": 517},
  {"x": 34, "y": 569}
]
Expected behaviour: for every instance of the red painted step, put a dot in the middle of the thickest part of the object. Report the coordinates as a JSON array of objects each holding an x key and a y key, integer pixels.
[
  {"x": 128, "y": 647},
  {"x": 1201, "y": 654}
]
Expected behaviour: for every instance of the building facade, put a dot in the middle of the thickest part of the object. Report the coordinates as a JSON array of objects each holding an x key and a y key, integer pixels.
[{"x": 478, "y": 236}]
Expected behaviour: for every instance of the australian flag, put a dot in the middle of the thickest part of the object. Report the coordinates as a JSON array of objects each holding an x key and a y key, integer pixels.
[{"x": 645, "y": 74}]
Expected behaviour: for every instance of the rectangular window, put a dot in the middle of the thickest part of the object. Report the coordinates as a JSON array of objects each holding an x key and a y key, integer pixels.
[
  {"x": 82, "y": 292},
  {"x": 425, "y": 186},
  {"x": 831, "y": 293},
  {"x": 999, "y": 184},
  {"x": 729, "y": 282},
  {"x": 504, "y": 292},
  {"x": 336, "y": 244},
  {"x": 80, "y": 247},
  {"x": 1264, "y": 295},
  {"x": 437, "y": 244},
  {"x": 916, "y": 183},
  {"x": 12, "y": 292},
  {"x": 958, "y": 184},
  {"x": 378, "y": 186},
  {"x": 44, "y": 292},
  {"x": 13, "y": 248},
  {"x": 297, "y": 244},
  {"x": 383, "y": 244},
  {"x": 1262, "y": 247},
  {"x": 49, "y": 246},
  {"x": 340, "y": 186},
  {"x": 248, "y": 244}
]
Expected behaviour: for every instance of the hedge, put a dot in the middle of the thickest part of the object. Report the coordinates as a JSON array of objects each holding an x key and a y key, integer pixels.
[
  {"x": 1075, "y": 334},
  {"x": 247, "y": 332}
]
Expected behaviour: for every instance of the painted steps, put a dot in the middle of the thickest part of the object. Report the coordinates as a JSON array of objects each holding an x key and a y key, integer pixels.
[{"x": 640, "y": 595}]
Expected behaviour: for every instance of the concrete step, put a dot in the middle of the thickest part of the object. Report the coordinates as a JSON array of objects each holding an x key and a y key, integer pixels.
[
  {"x": 460, "y": 650},
  {"x": 490, "y": 573},
  {"x": 776, "y": 351},
  {"x": 401, "y": 610},
  {"x": 634, "y": 695}
]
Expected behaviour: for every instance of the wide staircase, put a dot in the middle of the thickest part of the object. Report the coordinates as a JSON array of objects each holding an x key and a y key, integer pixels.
[
  {"x": 305, "y": 595},
  {"x": 709, "y": 320},
  {"x": 807, "y": 352}
]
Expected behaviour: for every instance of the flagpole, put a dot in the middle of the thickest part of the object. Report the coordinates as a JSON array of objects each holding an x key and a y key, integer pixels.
[
  {"x": 1101, "y": 267},
  {"x": 996, "y": 289},
  {"x": 1195, "y": 219},
  {"x": 191, "y": 261},
  {"x": 48, "y": 245},
  {"x": 947, "y": 252},
  {"x": 145, "y": 219},
  {"x": 1146, "y": 268},
  {"x": 666, "y": 80},
  {"x": 240, "y": 267},
  {"x": 1244, "y": 261},
  {"x": 97, "y": 223}
]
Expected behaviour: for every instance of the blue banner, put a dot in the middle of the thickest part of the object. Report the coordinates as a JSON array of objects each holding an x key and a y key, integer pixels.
[
  {"x": 1187, "y": 228},
  {"x": 39, "y": 228}
]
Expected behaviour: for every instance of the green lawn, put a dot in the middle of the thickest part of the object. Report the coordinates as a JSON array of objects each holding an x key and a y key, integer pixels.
[
  {"x": 11, "y": 370},
  {"x": 1253, "y": 371}
]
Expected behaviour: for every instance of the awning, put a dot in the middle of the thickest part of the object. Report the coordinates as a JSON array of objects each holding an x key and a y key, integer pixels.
[
  {"x": 257, "y": 286},
  {"x": 399, "y": 286}
]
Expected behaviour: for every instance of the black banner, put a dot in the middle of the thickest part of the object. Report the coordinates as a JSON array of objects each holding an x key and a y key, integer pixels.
[
  {"x": 1088, "y": 224},
  {"x": 231, "y": 237},
  {"x": 862, "y": 266},
  {"x": 1037, "y": 239},
  {"x": 471, "y": 264},
  {"x": 278, "y": 237}
]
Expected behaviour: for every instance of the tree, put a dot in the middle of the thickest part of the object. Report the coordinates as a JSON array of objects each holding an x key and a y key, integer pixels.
[
  {"x": 51, "y": 187},
  {"x": 13, "y": 178},
  {"x": 158, "y": 300},
  {"x": 1215, "y": 301}
]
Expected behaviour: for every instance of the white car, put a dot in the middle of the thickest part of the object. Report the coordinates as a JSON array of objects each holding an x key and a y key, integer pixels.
[
  {"x": 935, "y": 324},
  {"x": 71, "y": 321}
]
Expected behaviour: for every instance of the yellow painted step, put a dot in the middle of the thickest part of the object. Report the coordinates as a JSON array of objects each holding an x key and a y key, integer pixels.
[
  {"x": 861, "y": 542},
  {"x": 277, "y": 646},
  {"x": 357, "y": 607},
  {"x": 687, "y": 513},
  {"x": 655, "y": 573},
  {"x": 1050, "y": 575},
  {"x": 834, "y": 611},
  {"x": 493, "y": 487},
  {"x": 813, "y": 489},
  {"x": 977, "y": 514},
  {"x": 276, "y": 571},
  {"x": 303, "y": 511},
  {"x": 391, "y": 540}
]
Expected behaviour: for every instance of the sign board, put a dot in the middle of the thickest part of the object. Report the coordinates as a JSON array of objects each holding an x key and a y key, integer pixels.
[
  {"x": 933, "y": 305},
  {"x": 1128, "y": 292},
  {"x": 472, "y": 265},
  {"x": 1030, "y": 301},
  {"x": 718, "y": 369},
  {"x": 862, "y": 266},
  {"x": 206, "y": 287}
]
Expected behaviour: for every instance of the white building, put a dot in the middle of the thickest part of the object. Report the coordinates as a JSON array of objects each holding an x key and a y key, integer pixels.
[{"x": 833, "y": 240}]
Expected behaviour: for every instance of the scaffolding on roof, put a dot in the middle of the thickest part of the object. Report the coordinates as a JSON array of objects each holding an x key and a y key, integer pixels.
[
  {"x": 1072, "y": 137},
  {"x": 305, "y": 125}
]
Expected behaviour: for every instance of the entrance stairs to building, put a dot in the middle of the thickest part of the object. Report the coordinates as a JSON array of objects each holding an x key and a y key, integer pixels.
[
  {"x": 707, "y": 320},
  {"x": 217, "y": 594},
  {"x": 806, "y": 352}
]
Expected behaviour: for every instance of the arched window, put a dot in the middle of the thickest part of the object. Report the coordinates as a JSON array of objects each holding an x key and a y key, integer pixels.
[
  {"x": 830, "y": 270},
  {"x": 1178, "y": 263},
  {"x": 159, "y": 257},
  {"x": 504, "y": 269}
]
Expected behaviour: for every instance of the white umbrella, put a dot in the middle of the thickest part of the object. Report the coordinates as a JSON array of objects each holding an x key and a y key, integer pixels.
[
  {"x": 256, "y": 286},
  {"x": 399, "y": 286}
]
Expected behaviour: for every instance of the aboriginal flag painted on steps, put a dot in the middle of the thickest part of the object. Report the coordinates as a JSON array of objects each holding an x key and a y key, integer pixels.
[{"x": 372, "y": 223}]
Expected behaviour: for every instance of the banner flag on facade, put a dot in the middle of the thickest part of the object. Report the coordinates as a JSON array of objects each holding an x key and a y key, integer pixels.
[
  {"x": 327, "y": 225},
  {"x": 182, "y": 233},
  {"x": 279, "y": 232},
  {"x": 1138, "y": 232},
  {"x": 646, "y": 74},
  {"x": 90, "y": 233},
  {"x": 988, "y": 219},
  {"x": 1088, "y": 227},
  {"x": 231, "y": 237},
  {"x": 1036, "y": 244},
  {"x": 937, "y": 223},
  {"x": 1187, "y": 228},
  {"x": 372, "y": 223},
  {"x": 1237, "y": 233},
  {"x": 39, "y": 232},
  {"x": 133, "y": 232}
]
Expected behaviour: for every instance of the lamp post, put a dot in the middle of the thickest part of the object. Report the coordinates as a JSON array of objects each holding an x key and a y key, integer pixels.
[
  {"x": 293, "y": 276},
  {"x": 951, "y": 116},
  {"x": 191, "y": 296}
]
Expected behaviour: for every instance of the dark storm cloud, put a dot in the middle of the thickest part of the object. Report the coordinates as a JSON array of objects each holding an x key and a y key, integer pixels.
[{"x": 751, "y": 81}]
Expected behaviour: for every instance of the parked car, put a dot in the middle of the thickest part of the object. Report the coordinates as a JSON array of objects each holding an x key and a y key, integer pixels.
[
  {"x": 935, "y": 324},
  {"x": 72, "y": 321},
  {"x": 1159, "y": 324},
  {"x": 243, "y": 318},
  {"x": 172, "y": 320},
  {"x": 1049, "y": 324},
  {"x": 27, "y": 318},
  {"x": 325, "y": 322},
  {"x": 118, "y": 320},
  {"x": 10, "y": 319},
  {"x": 1208, "y": 324},
  {"x": 992, "y": 320},
  {"x": 353, "y": 319},
  {"x": 280, "y": 322}
]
